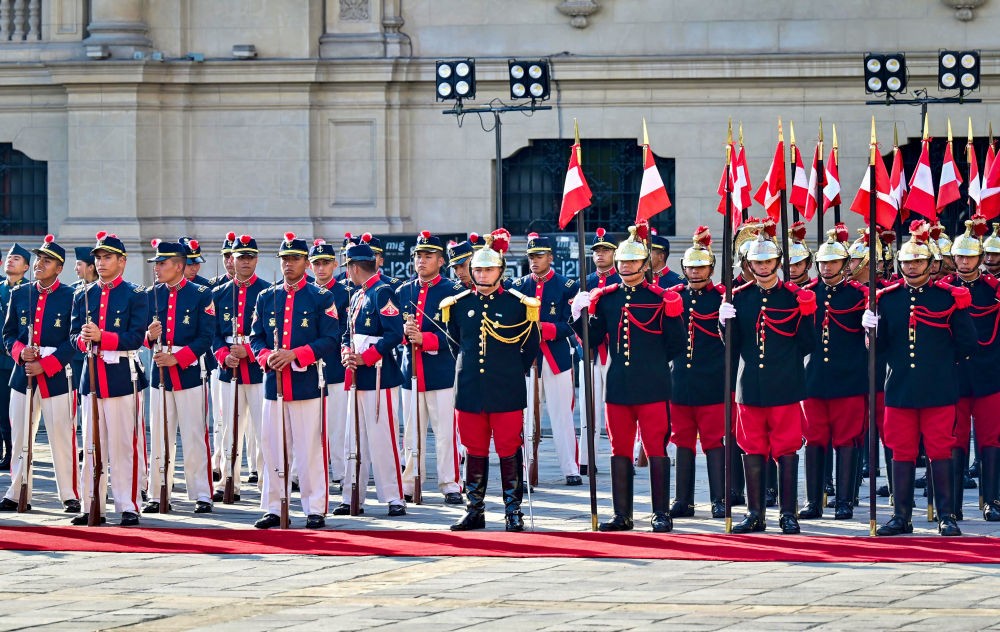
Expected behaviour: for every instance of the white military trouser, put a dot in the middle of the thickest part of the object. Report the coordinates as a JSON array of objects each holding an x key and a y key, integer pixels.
[
  {"x": 60, "y": 427},
  {"x": 437, "y": 410},
  {"x": 305, "y": 441},
  {"x": 120, "y": 447},
  {"x": 600, "y": 373},
  {"x": 336, "y": 430},
  {"x": 219, "y": 451},
  {"x": 249, "y": 403},
  {"x": 556, "y": 389},
  {"x": 185, "y": 409},
  {"x": 378, "y": 447}
]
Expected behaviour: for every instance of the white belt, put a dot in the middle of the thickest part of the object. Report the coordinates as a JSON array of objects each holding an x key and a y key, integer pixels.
[
  {"x": 44, "y": 352},
  {"x": 363, "y": 342},
  {"x": 232, "y": 341}
]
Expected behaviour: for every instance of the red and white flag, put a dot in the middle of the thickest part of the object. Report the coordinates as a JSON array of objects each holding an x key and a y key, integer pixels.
[
  {"x": 989, "y": 196},
  {"x": 831, "y": 192},
  {"x": 576, "y": 191},
  {"x": 885, "y": 211},
  {"x": 727, "y": 188},
  {"x": 814, "y": 192},
  {"x": 742, "y": 197},
  {"x": 897, "y": 182},
  {"x": 653, "y": 196},
  {"x": 769, "y": 193},
  {"x": 975, "y": 184},
  {"x": 800, "y": 185},
  {"x": 991, "y": 155},
  {"x": 950, "y": 179},
  {"x": 921, "y": 196}
]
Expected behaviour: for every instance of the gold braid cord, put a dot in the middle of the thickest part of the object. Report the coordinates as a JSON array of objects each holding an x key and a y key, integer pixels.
[{"x": 493, "y": 329}]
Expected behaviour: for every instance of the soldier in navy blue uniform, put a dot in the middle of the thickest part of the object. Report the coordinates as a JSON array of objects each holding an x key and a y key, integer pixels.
[
  {"x": 498, "y": 338},
  {"x": 192, "y": 251},
  {"x": 36, "y": 335},
  {"x": 234, "y": 302},
  {"x": 180, "y": 331},
  {"x": 603, "y": 255},
  {"x": 800, "y": 258},
  {"x": 836, "y": 387},
  {"x": 772, "y": 333},
  {"x": 115, "y": 328},
  {"x": 642, "y": 322},
  {"x": 376, "y": 245},
  {"x": 658, "y": 253},
  {"x": 554, "y": 361},
  {"x": 459, "y": 256},
  {"x": 374, "y": 328},
  {"x": 323, "y": 260},
  {"x": 924, "y": 329},
  {"x": 305, "y": 319},
  {"x": 697, "y": 404},
  {"x": 86, "y": 273},
  {"x": 432, "y": 370},
  {"x": 215, "y": 383},
  {"x": 15, "y": 267}
]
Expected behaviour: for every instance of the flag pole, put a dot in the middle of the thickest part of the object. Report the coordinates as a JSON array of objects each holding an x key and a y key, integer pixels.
[
  {"x": 784, "y": 207},
  {"x": 872, "y": 367},
  {"x": 820, "y": 183},
  {"x": 647, "y": 240},
  {"x": 792, "y": 156},
  {"x": 746, "y": 212},
  {"x": 951, "y": 148},
  {"x": 727, "y": 279},
  {"x": 588, "y": 376},
  {"x": 836, "y": 165},
  {"x": 970, "y": 152}
]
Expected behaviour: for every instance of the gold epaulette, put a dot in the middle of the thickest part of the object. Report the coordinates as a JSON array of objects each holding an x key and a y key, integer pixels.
[
  {"x": 447, "y": 302},
  {"x": 532, "y": 305}
]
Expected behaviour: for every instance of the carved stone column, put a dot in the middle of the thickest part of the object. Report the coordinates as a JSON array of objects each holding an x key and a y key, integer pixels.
[
  {"x": 120, "y": 25},
  {"x": 363, "y": 28}
]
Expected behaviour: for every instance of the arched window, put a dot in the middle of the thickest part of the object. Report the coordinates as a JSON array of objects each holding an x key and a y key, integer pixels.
[
  {"x": 533, "y": 185},
  {"x": 24, "y": 199}
]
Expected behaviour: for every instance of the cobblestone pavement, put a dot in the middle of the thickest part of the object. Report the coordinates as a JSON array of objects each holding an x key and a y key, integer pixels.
[{"x": 97, "y": 591}]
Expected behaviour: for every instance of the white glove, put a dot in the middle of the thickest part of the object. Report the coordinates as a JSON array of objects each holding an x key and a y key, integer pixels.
[
  {"x": 869, "y": 320},
  {"x": 726, "y": 311},
  {"x": 580, "y": 302}
]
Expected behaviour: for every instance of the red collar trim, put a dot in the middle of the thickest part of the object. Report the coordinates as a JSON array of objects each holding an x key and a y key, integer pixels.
[
  {"x": 111, "y": 285},
  {"x": 372, "y": 281},
  {"x": 430, "y": 283},
  {"x": 604, "y": 275},
  {"x": 180, "y": 284},
  {"x": 47, "y": 290},
  {"x": 548, "y": 275}
]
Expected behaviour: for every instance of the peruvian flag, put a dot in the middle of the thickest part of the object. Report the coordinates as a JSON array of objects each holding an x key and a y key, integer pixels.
[
  {"x": 831, "y": 192},
  {"x": 897, "y": 182},
  {"x": 950, "y": 179},
  {"x": 653, "y": 196},
  {"x": 885, "y": 211},
  {"x": 742, "y": 198},
  {"x": 989, "y": 196},
  {"x": 800, "y": 186},
  {"x": 769, "y": 193},
  {"x": 576, "y": 191},
  {"x": 975, "y": 185},
  {"x": 921, "y": 196},
  {"x": 990, "y": 157},
  {"x": 814, "y": 188}
]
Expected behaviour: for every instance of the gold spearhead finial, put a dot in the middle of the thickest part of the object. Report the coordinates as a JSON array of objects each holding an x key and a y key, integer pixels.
[
  {"x": 781, "y": 134},
  {"x": 791, "y": 132},
  {"x": 576, "y": 137},
  {"x": 836, "y": 153},
  {"x": 895, "y": 135},
  {"x": 874, "y": 145},
  {"x": 949, "y": 130},
  {"x": 729, "y": 143},
  {"x": 927, "y": 127},
  {"x": 741, "y": 133},
  {"x": 991, "y": 132},
  {"x": 821, "y": 138},
  {"x": 645, "y": 134},
  {"x": 970, "y": 130}
]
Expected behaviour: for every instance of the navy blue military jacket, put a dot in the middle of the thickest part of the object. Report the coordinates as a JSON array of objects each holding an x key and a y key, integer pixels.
[
  {"x": 435, "y": 360},
  {"x": 187, "y": 315},
  {"x": 645, "y": 332},
  {"x": 121, "y": 311},
  {"x": 490, "y": 372},
  {"x": 240, "y": 314},
  {"x": 210, "y": 363},
  {"x": 596, "y": 281},
  {"x": 773, "y": 333},
  {"x": 837, "y": 367},
  {"x": 979, "y": 377},
  {"x": 6, "y": 362},
  {"x": 307, "y": 323},
  {"x": 924, "y": 332},
  {"x": 697, "y": 377},
  {"x": 375, "y": 327},
  {"x": 46, "y": 319},
  {"x": 556, "y": 292},
  {"x": 667, "y": 278},
  {"x": 333, "y": 370}
]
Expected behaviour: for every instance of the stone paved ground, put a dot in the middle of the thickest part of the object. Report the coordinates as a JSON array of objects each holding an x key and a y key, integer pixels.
[{"x": 96, "y": 591}]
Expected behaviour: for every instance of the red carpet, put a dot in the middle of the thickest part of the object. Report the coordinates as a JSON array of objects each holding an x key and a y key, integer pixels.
[{"x": 737, "y": 548}]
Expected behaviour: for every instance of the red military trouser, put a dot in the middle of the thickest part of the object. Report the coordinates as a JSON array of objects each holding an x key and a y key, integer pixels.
[
  {"x": 904, "y": 427},
  {"x": 652, "y": 420},
  {"x": 475, "y": 430},
  {"x": 842, "y": 418},
  {"x": 985, "y": 412},
  {"x": 688, "y": 423},
  {"x": 769, "y": 430}
]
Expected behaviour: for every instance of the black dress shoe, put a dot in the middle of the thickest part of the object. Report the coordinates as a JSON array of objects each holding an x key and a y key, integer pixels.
[
  {"x": 618, "y": 522},
  {"x": 129, "y": 519},
  {"x": 202, "y": 507},
  {"x": 882, "y": 491},
  {"x": 269, "y": 521},
  {"x": 315, "y": 521},
  {"x": 395, "y": 510},
  {"x": 573, "y": 481},
  {"x": 153, "y": 506},
  {"x": 216, "y": 476},
  {"x": 811, "y": 511},
  {"x": 514, "y": 521},
  {"x": 253, "y": 478},
  {"x": 789, "y": 524},
  {"x": 8, "y": 505},
  {"x": 217, "y": 496},
  {"x": 84, "y": 519},
  {"x": 470, "y": 521},
  {"x": 948, "y": 526},
  {"x": 895, "y": 526},
  {"x": 718, "y": 509},
  {"x": 71, "y": 506},
  {"x": 295, "y": 486},
  {"x": 752, "y": 523},
  {"x": 343, "y": 509},
  {"x": 453, "y": 498},
  {"x": 662, "y": 523},
  {"x": 408, "y": 498}
]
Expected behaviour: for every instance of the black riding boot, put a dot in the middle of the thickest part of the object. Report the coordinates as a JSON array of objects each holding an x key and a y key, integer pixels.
[
  {"x": 788, "y": 488},
  {"x": 903, "y": 474},
  {"x": 847, "y": 482},
  {"x": 815, "y": 460},
  {"x": 659, "y": 493},
  {"x": 771, "y": 489},
  {"x": 477, "y": 470},
  {"x": 683, "y": 506},
  {"x": 716, "y": 458},
  {"x": 989, "y": 473},
  {"x": 944, "y": 501},
  {"x": 622, "y": 485},
  {"x": 755, "y": 472},
  {"x": 958, "y": 472},
  {"x": 512, "y": 481}
]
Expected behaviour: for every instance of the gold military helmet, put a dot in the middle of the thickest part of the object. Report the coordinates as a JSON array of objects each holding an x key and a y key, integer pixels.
[
  {"x": 939, "y": 243},
  {"x": 744, "y": 237},
  {"x": 970, "y": 243},
  {"x": 992, "y": 243},
  {"x": 491, "y": 254},
  {"x": 700, "y": 253},
  {"x": 835, "y": 247},
  {"x": 764, "y": 248},
  {"x": 797, "y": 248},
  {"x": 633, "y": 248},
  {"x": 918, "y": 246}
]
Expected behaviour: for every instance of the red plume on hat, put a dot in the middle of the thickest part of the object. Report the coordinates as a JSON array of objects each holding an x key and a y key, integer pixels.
[
  {"x": 154, "y": 242},
  {"x": 193, "y": 244},
  {"x": 770, "y": 227},
  {"x": 426, "y": 234},
  {"x": 101, "y": 234},
  {"x": 244, "y": 239},
  {"x": 348, "y": 236},
  {"x": 532, "y": 235},
  {"x": 501, "y": 240},
  {"x": 474, "y": 238},
  {"x": 113, "y": 236},
  {"x": 888, "y": 236},
  {"x": 842, "y": 234},
  {"x": 642, "y": 230},
  {"x": 936, "y": 230},
  {"x": 600, "y": 232},
  {"x": 230, "y": 236},
  {"x": 319, "y": 242},
  {"x": 367, "y": 237},
  {"x": 289, "y": 236},
  {"x": 797, "y": 232},
  {"x": 703, "y": 236},
  {"x": 920, "y": 231},
  {"x": 979, "y": 226},
  {"x": 49, "y": 239}
]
